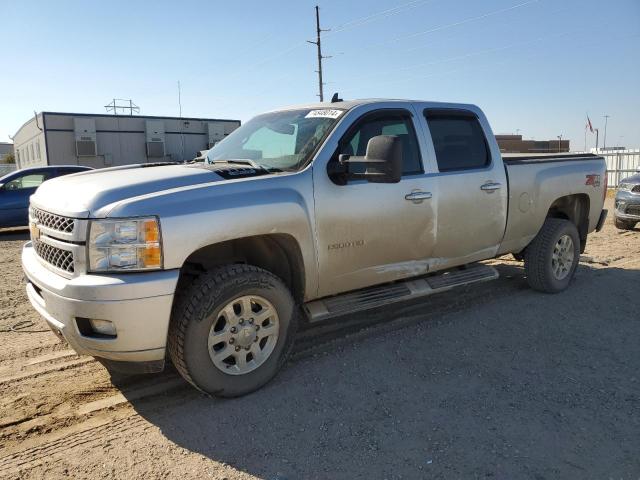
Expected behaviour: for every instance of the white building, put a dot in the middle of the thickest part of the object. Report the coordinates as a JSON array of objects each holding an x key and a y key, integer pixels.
[{"x": 100, "y": 140}]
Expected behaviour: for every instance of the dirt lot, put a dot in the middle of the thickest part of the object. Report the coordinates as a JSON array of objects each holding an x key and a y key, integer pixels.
[{"x": 491, "y": 381}]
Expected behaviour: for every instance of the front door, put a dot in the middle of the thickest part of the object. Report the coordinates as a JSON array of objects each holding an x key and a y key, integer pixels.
[{"x": 372, "y": 233}]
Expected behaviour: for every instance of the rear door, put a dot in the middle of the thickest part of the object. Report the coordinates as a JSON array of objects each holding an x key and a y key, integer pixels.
[{"x": 472, "y": 186}]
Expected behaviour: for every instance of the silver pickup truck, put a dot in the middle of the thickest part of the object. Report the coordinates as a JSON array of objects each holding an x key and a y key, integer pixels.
[{"x": 302, "y": 214}]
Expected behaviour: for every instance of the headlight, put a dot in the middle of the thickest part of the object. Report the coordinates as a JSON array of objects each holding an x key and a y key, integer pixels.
[
  {"x": 625, "y": 187},
  {"x": 130, "y": 244}
]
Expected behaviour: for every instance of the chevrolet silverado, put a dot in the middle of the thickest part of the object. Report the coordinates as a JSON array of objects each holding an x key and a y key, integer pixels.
[{"x": 302, "y": 214}]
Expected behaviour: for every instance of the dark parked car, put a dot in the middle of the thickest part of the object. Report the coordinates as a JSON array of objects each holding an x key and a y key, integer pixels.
[
  {"x": 16, "y": 188},
  {"x": 627, "y": 212}
]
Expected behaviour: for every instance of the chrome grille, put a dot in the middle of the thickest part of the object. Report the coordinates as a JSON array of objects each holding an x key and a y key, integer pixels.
[
  {"x": 52, "y": 221},
  {"x": 59, "y": 258},
  {"x": 636, "y": 189}
]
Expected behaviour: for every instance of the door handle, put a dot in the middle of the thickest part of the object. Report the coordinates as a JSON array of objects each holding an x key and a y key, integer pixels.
[
  {"x": 417, "y": 196},
  {"x": 490, "y": 187}
]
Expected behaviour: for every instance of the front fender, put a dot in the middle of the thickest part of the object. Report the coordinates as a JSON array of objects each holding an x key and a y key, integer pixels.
[{"x": 203, "y": 215}]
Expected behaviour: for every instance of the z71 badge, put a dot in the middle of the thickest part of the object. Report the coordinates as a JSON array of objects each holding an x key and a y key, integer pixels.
[{"x": 593, "y": 180}]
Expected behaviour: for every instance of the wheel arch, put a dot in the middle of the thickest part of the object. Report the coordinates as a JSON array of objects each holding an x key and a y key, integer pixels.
[
  {"x": 278, "y": 253},
  {"x": 574, "y": 208}
]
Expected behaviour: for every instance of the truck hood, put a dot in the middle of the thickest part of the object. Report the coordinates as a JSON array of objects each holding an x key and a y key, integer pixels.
[{"x": 79, "y": 195}]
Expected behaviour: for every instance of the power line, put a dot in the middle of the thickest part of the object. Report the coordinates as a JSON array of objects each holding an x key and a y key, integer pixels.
[
  {"x": 376, "y": 16},
  {"x": 490, "y": 66},
  {"x": 456, "y": 24},
  {"x": 347, "y": 26},
  {"x": 468, "y": 55}
]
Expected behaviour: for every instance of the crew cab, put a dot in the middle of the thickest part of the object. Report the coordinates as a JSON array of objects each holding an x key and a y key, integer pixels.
[{"x": 302, "y": 214}]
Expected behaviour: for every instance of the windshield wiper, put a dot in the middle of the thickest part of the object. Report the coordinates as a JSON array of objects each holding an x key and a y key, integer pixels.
[{"x": 246, "y": 161}]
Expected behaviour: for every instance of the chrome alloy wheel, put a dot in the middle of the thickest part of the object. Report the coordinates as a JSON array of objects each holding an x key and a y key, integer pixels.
[
  {"x": 562, "y": 258},
  {"x": 244, "y": 335}
]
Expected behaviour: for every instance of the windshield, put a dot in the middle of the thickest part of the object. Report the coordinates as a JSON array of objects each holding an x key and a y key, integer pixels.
[{"x": 279, "y": 140}]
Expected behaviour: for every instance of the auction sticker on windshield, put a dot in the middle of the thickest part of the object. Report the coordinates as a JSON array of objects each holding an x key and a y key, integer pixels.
[{"x": 326, "y": 113}]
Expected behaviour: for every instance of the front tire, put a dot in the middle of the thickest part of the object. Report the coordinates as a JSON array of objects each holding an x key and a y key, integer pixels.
[
  {"x": 552, "y": 257},
  {"x": 624, "y": 225},
  {"x": 232, "y": 329}
]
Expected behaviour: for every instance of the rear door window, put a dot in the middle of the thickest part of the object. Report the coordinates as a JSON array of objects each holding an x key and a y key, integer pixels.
[{"x": 458, "y": 140}]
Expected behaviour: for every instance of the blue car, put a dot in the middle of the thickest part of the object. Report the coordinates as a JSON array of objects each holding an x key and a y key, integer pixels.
[{"x": 16, "y": 188}]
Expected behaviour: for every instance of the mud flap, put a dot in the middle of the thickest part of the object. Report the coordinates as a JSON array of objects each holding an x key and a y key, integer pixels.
[{"x": 603, "y": 217}]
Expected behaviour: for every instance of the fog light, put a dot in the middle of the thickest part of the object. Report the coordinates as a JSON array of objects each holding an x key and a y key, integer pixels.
[{"x": 103, "y": 327}]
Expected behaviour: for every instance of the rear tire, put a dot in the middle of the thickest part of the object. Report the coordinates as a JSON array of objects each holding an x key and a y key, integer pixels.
[
  {"x": 552, "y": 257},
  {"x": 232, "y": 329},
  {"x": 624, "y": 225}
]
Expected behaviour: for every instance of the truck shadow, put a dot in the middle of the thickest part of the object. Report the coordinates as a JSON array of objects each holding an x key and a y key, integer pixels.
[{"x": 456, "y": 385}]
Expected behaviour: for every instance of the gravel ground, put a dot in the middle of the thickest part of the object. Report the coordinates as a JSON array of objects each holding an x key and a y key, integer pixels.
[{"x": 489, "y": 381}]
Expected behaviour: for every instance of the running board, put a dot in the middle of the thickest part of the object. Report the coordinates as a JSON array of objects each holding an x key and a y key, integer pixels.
[{"x": 372, "y": 297}]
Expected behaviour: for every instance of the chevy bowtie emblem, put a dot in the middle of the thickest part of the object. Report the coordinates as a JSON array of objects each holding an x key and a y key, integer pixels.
[{"x": 35, "y": 231}]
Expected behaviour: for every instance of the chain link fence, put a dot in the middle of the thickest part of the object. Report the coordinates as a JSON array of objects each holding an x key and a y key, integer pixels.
[{"x": 621, "y": 164}]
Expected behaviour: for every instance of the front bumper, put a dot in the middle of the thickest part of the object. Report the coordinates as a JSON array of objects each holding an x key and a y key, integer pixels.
[
  {"x": 624, "y": 202},
  {"x": 138, "y": 304}
]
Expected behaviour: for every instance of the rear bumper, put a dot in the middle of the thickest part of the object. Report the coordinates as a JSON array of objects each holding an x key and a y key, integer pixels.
[{"x": 138, "y": 305}]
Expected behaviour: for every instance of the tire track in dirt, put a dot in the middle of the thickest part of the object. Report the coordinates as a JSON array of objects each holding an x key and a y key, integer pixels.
[
  {"x": 312, "y": 340},
  {"x": 94, "y": 431},
  {"x": 94, "y": 422},
  {"x": 80, "y": 405}
]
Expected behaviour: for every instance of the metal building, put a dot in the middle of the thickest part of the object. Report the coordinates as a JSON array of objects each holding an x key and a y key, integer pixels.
[
  {"x": 6, "y": 149},
  {"x": 100, "y": 140}
]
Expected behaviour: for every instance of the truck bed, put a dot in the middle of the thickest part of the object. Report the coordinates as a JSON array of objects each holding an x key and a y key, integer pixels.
[
  {"x": 536, "y": 180},
  {"x": 524, "y": 158}
]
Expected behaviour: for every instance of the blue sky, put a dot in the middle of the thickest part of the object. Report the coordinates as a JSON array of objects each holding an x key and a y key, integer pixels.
[{"x": 536, "y": 66}]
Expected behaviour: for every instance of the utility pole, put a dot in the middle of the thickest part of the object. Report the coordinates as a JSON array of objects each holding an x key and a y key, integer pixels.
[
  {"x": 597, "y": 135},
  {"x": 606, "y": 117},
  {"x": 559, "y": 142},
  {"x": 318, "y": 44}
]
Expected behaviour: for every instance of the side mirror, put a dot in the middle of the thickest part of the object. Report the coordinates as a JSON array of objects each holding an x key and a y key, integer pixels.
[{"x": 382, "y": 162}]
